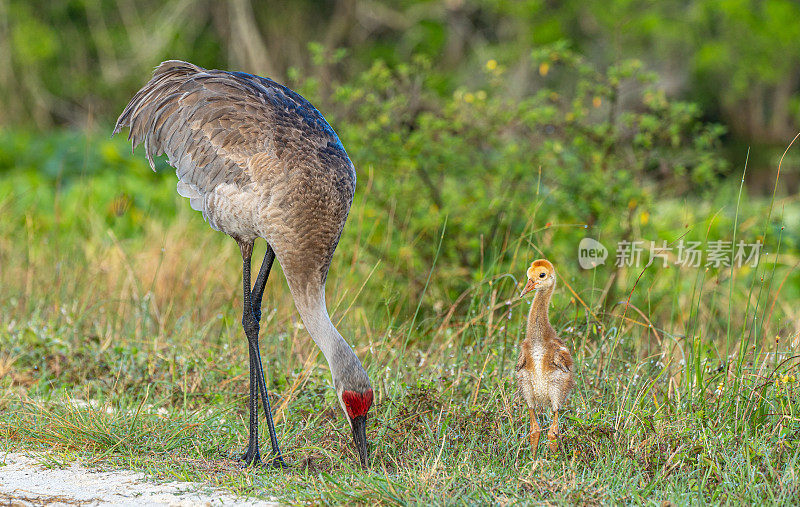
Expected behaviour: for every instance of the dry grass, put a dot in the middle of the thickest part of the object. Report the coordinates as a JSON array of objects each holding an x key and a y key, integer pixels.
[{"x": 144, "y": 320}]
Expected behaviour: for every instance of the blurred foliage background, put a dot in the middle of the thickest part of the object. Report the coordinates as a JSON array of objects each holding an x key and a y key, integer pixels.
[
  {"x": 518, "y": 124},
  {"x": 75, "y": 62}
]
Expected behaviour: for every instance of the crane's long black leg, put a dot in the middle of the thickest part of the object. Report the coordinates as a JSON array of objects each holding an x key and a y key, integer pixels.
[
  {"x": 255, "y": 353},
  {"x": 251, "y": 328},
  {"x": 261, "y": 282},
  {"x": 255, "y": 295},
  {"x": 277, "y": 460},
  {"x": 252, "y": 454}
]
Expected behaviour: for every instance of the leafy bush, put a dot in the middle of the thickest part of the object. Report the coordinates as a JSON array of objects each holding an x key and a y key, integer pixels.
[{"x": 588, "y": 150}]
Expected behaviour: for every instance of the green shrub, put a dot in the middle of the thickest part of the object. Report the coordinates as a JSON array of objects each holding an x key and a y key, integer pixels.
[{"x": 585, "y": 154}]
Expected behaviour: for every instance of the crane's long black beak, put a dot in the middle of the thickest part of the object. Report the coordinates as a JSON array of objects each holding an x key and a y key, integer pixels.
[{"x": 359, "y": 427}]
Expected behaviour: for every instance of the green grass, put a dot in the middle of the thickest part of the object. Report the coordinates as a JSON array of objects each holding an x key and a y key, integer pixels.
[{"x": 120, "y": 344}]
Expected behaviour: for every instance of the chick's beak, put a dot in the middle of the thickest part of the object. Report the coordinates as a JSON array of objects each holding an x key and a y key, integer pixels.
[
  {"x": 528, "y": 287},
  {"x": 359, "y": 427}
]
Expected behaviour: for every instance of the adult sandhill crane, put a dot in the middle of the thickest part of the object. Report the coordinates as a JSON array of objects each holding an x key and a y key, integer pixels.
[
  {"x": 259, "y": 161},
  {"x": 544, "y": 368}
]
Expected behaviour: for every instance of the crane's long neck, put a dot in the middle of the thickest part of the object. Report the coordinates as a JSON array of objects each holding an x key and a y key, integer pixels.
[
  {"x": 538, "y": 317},
  {"x": 310, "y": 301}
]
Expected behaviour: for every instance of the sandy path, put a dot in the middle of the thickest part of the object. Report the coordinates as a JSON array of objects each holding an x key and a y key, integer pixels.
[{"x": 24, "y": 482}]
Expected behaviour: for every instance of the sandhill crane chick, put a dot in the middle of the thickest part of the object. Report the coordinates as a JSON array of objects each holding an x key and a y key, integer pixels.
[{"x": 544, "y": 369}]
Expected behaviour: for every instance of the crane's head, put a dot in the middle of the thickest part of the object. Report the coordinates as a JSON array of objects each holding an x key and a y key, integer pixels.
[
  {"x": 355, "y": 397},
  {"x": 541, "y": 275}
]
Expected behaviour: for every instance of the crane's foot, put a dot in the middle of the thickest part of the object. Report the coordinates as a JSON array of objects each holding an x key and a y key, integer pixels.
[
  {"x": 253, "y": 459},
  {"x": 278, "y": 463}
]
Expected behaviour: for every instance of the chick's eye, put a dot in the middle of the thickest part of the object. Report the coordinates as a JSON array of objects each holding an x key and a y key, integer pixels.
[{"x": 541, "y": 275}]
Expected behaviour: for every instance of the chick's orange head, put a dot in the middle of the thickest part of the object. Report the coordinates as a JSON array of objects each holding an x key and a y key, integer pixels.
[
  {"x": 540, "y": 268},
  {"x": 540, "y": 274}
]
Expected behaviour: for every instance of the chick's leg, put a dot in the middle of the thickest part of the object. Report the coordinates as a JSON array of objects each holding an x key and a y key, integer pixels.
[
  {"x": 535, "y": 431},
  {"x": 552, "y": 435}
]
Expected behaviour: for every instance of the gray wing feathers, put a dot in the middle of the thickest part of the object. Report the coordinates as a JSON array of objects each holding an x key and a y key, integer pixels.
[
  {"x": 259, "y": 137},
  {"x": 186, "y": 190},
  {"x": 191, "y": 193},
  {"x": 198, "y": 120},
  {"x": 210, "y": 122}
]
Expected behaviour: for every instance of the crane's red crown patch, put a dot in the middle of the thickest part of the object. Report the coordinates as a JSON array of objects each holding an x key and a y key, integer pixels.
[{"x": 357, "y": 403}]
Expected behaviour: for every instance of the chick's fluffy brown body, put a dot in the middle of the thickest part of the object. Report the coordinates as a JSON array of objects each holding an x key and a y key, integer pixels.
[
  {"x": 544, "y": 370},
  {"x": 544, "y": 366}
]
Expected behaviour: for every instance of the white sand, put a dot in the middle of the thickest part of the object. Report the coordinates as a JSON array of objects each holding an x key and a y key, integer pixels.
[{"x": 23, "y": 482}]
